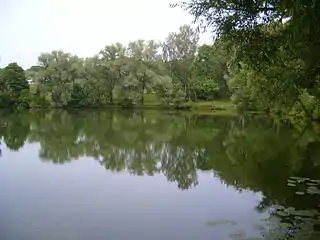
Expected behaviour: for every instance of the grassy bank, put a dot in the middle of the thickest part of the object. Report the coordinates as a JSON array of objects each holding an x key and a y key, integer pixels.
[
  {"x": 221, "y": 107},
  {"x": 151, "y": 101}
]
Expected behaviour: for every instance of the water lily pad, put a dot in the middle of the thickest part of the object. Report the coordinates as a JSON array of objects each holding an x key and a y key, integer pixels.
[
  {"x": 238, "y": 235},
  {"x": 300, "y": 193},
  {"x": 259, "y": 227},
  {"x": 279, "y": 207},
  {"x": 297, "y": 178},
  {"x": 305, "y": 213},
  {"x": 290, "y": 209},
  {"x": 291, "y": 184},
  {"x": 283, "y": 213},
  {"x": 221, "y": 222},
  {"x": 313, "y": 190},
  {"x": 315, "y": 181},
  {"x": 312, "y": 184},
  {"x": 291, "y": 181}
]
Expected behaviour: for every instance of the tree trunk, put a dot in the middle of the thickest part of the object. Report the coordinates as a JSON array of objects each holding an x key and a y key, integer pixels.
[
  {"x": 185, "y": 91},
  {"x": 110, "y": 97},
  {"x": 188, "y": 92},
  {"x": 142, "y": 98},
  {"x": 142, "y": 92}
]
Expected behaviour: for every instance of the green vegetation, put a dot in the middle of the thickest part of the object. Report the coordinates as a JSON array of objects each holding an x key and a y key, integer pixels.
[
  {"x": 265, "y": 58},
  {"x": 274, "y": 63},
  {"x": 13, "y": 86},
  {"x": 176, "y": 73}
]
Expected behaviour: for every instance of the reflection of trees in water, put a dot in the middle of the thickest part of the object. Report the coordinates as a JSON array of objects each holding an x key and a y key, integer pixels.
[
  {"x": 256, "y": 155},
  {"x": 138, "y": 143},
  {"x": 178, "y": 165},
  {"x": 262, "y": 159},
  {"x": 14, "y": 130}
]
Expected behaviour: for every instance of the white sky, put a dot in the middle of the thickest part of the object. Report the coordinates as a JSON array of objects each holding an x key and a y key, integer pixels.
[{"x": 82, "y": 27}]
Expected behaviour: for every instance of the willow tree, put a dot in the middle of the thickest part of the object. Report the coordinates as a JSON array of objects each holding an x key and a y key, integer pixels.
[
  {"x": 142, "y": 66},
  {"x": 112, "y": 60},
  {"x": 59, "y": 72},
  {"x": 179, "y": 51}
]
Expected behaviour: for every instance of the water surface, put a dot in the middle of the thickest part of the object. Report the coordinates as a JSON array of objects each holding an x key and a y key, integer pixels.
[{"x": 148, "y": 175}]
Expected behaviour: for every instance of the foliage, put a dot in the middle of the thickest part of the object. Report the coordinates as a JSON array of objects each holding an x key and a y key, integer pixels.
[
  {"x": 260, "y": 58},
  {"x": 275, "y": 41},
  {"x": 14, "y": 87},
  {"x": 179, "y": 51},
  {"x": 170, "y": 94},
  {"x": 176, "y": 71},
  {"x": 211, "y": 68},
  {"x": 58, "y": 74}
]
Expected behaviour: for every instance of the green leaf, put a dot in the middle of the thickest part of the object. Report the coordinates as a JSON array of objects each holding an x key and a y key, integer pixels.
[{"x": 300, "y": 193}]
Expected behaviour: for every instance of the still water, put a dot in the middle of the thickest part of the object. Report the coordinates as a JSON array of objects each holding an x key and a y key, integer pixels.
[{"x": 156, "y": 175}]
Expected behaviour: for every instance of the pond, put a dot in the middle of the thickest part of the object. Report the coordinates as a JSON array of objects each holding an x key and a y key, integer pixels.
[{"x": 156, "y": 175}]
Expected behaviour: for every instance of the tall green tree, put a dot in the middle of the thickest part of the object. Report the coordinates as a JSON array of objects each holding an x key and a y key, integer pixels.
[
  {"x": 179, "y": 51},
  {"x": 211, "y": 70},
  {"x": 142, "y": 65},
  {"x": 14, "y": 86},
  {"x": 59, "y": 72},
  {"x": 278, "y": 39},
  {"x": 92, "y": 75},
  {"x": 112, "y": 60},
  {"x": 14, "y": 78}
]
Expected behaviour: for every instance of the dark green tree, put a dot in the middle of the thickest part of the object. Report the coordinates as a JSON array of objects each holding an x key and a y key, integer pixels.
[
  {"x": 15, "y": 88},
  {"x": 277, "y": 41},
  {"x": 14, "y": 78}
]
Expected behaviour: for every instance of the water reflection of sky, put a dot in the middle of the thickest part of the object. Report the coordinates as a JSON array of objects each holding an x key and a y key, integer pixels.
[{"x": 81, "y": 200}]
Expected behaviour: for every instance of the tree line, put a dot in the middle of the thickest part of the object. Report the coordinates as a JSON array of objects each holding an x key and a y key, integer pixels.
[
  {"x": 265, "y": 56},
  {"x": 275, "y": 63},
  {"x": 175, "y": 71}
]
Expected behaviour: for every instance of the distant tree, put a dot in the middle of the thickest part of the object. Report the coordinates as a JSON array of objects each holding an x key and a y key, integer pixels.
[
  {"x": 14, "y": 86},
  {"x": 110, "y": 68},
  {"x": 59, "y": 71},
  {"x": 35, "y": 68},
  {"x": 141, "y": 66},
  {"x": 14, "y": 78},
  {"x": 179, "y": 51},
  {"x": 32, "y": 72},
  {"x": 210, "y": 71},
  {"x": 2, "y": 85}
]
